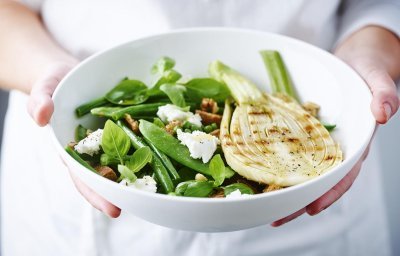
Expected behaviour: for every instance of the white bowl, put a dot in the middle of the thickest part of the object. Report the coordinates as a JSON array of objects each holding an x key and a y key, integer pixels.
[{"x": 317, "y": 75}]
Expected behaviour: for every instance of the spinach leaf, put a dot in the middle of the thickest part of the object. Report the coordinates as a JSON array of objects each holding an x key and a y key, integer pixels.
[
  {"x": 128, "y": 92},
  {"x": 126, "y": 173},
  {"x": 193, "y": 188},
  {"x": 115, "y": 142},
  {"x": 175, "y": 94},
  {"x": 199, "y": 88},
  {"x": 243, "y": 188},
  {"x": 163, "y": 64},
  {"x": 217, "y": 170},
  {"x": 139, "y": 159},
  {"x": 169, "y": 76}
]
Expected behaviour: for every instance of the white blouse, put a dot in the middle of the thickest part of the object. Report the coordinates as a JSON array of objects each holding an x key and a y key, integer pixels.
[{"x": 43, "y": 214}]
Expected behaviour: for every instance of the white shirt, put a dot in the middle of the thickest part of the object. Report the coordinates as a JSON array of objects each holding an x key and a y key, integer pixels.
[{"x": 42, "y": 212}]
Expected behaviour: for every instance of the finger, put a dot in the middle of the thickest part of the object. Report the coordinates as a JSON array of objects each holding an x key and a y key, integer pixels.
[
  {"x": 96, "y": 200},
  {"x": 40, "y": 105},
  {"x": 335, "y": 193},
  {"x": 385, "y": 102},
  {"x": 288, "y": 218}
]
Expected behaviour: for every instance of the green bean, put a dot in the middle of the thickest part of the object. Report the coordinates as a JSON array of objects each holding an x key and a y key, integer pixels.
[
  {"x": 74, "y": 155},
  {"x": 80, "y": 133},
  {"x": 165, "y": 160},
  {"x": 160, "y": 171},
  {"x": 117, "y": 113},
  {"x": 87, "y": 107}
]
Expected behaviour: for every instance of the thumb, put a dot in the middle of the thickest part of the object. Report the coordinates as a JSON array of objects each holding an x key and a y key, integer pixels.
[
  {"x": 385, "y": 102},
  {"x": 40, "y": 104}
]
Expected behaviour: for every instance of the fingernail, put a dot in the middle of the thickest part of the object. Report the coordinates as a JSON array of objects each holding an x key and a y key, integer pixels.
[{"x": 388, "y": 110}]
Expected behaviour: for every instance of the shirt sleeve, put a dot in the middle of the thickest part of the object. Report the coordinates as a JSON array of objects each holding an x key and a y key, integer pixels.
[{"x": 356, "y": 14}]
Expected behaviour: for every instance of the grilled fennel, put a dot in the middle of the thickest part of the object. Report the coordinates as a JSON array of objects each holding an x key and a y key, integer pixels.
[{"x": 271, "y": 139}]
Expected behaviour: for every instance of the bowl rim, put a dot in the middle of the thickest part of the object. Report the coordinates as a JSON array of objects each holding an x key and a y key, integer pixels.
[{"x": 349, "y": 161}]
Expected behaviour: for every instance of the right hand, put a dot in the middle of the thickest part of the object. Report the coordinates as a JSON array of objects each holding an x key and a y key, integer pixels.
[{"x": 41, "y": 107}]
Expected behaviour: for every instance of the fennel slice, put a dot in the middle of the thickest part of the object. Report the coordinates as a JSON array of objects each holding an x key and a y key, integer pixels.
[{"x": 269, "y": 139}]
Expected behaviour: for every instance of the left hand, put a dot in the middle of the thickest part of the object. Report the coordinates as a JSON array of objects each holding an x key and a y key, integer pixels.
[{"x": 374, "y": 53}]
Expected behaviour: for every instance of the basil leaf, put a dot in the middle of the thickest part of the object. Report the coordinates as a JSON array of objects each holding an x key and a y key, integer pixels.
[
  {"x": 217, "y": 170},
  {"x": 243, "y": 188},
  {"x": 126, "y": 173},
  {"x": 162, "y": 65},
  {"x": 174, "y": 93},
  {"x": 199, "y": 88},
  {"x": 139, "y": 159},
  {"x": 193, "y": 188},
  {"x": 128, "y": 92},
  {"x": 115, "y": 142}
]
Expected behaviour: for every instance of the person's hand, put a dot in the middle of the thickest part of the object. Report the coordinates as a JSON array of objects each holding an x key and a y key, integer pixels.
[
  {"x": 40, "y": 107},
  {"x": 373, "y": 53}
]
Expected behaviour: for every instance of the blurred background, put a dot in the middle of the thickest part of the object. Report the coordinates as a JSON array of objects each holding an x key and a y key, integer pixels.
[{"x": 389, "y": 146}]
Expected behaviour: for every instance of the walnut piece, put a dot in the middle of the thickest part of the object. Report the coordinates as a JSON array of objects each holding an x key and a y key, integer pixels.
[{"x": 209, "y": 105}]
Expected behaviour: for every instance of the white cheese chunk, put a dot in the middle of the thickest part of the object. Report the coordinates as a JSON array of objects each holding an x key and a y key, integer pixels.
[
  {"x": 91, "y": 144},
  {"x": 236, "y": 194},
  {"x": 200, "y": 144},
  {"x": 147, "y": 183},
  {"x": 170, "y": 112}
]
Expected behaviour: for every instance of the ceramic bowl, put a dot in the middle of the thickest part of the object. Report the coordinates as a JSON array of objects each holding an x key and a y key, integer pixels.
[{"x": 318, "y": 76}]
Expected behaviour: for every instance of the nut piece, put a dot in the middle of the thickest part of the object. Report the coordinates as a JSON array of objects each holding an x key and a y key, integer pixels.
[
  {"x": 209, "y": 118},
  {"x": 219, "y": 193},
  {"x": 271, "y": 187},
  {"x": 106, "y": 172},
  {"x": 200, "y": 177},
  {"x": 170, "y": 127},
  {"x": 133, "y": 124},
  {"x": 209, "y": 105},
  {"x": 311, "y": 108},
  {"x": 215, "y": 133}
]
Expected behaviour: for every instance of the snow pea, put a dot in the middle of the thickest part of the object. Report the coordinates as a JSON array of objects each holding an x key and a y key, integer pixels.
[
  {"x": 172, "y": 147},
  {"x": 116, "y": 113},
  {"x": 156, "y": 164}
]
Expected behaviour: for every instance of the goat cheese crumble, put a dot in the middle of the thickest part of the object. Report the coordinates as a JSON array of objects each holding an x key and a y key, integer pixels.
[
  {"x": 147, "y": 183},
  {"x": 200, "y": 144},
  {"x": 236, "y": 194},
  {"x": 91, "y": 144},
  {"x": 170, "y": 112}
]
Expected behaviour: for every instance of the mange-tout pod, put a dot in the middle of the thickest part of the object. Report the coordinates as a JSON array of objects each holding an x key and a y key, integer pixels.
[{"x": 271, "y": 139}]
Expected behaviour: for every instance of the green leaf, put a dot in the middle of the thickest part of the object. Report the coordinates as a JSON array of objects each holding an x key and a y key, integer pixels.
[
  {"x": 217, "y": 170},
  {"x": 163, "y": 64},
  {"x": 128, "y": 92},
  {"x": 174, "y": 93},
  {"x": 243, "y": 188},
  {"x": 126, "y": 173},
  {"x": 115, "y": 142},
  {"x": 139, "y": 159},
  {"x": 199, "y": 88},
  {"x": 330, "y": 127},
  {"x": 193, "y": 188},
  {"x": 170, "y": 76}
]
